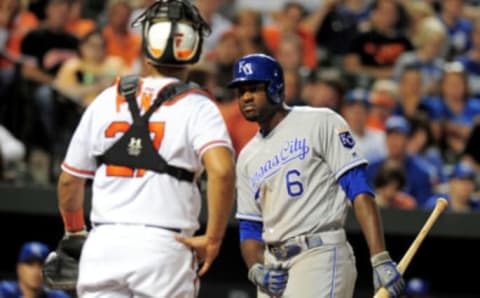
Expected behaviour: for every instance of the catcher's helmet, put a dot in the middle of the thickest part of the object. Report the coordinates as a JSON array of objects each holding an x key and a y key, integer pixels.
[
  {"x": 173, "y": 32},
  {"x": 260, "y": 68}
]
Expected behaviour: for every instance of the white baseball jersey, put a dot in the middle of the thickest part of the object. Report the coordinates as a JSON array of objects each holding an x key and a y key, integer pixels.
[
  {"x": 288, "y": 179},
  {"x": 181, "y": 129}
]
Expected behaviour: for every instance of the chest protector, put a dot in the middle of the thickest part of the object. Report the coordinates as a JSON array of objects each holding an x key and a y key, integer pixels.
[{"x": 135, "y": 148}]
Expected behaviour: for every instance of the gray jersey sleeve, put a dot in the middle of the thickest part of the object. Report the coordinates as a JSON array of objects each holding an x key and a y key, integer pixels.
[
  {"x": 247, "y": 206},
  {"x": 337, "y": 145}
]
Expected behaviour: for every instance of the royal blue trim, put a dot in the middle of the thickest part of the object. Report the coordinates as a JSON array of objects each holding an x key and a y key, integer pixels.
[
  {"x": 250, "y": 230},
  {"x": 355, "y": 182},
  {"x": 334, "y": 272}
]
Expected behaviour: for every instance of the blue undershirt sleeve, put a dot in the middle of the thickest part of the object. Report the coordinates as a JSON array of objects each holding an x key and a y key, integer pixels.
[
  {"x": 250, "y": 229},
  {"x": 355, "y": 182}
]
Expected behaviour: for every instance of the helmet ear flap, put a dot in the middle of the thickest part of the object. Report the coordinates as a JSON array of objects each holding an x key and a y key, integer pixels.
[{"x": 274, "y": 94}]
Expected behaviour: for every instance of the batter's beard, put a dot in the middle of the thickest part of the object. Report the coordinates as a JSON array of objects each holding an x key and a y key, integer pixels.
[
  {"x": 249, "y": 116},
  {"x": 252, "y": 118}
]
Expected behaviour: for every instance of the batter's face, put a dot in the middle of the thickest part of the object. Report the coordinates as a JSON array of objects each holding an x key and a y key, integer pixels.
[{"x": 253, "y": 102}]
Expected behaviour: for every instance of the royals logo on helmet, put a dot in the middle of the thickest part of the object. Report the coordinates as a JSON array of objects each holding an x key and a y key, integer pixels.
[{"x": 246, "y": 68}]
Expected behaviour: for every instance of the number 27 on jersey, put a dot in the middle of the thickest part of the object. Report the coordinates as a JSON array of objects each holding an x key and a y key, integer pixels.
[{"x": 156, "y": 129}]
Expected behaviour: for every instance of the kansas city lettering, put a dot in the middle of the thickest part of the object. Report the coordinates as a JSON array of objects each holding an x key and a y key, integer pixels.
[{"x": 293, "y": 149}]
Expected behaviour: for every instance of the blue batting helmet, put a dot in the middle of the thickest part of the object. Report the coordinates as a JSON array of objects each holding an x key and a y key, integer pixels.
[{"x": 260, "y": 68}]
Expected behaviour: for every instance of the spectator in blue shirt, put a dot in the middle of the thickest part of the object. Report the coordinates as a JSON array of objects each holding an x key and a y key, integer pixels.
[
  {"x": 461, "y": 187},
  {"x": 471, "y": 61},
  {"x": 454, "y": 108},
  {"x": 420, "y": 143},
  {"x": 29, "y": 274},
  {"x": 458, "y": 27},
  {"x": 428, "y": 55},
  {"x": 417, "y": 171}
]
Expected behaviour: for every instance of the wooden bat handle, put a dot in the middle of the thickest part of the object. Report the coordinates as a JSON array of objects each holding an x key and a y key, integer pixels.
[{"x": 440, "y": 206}]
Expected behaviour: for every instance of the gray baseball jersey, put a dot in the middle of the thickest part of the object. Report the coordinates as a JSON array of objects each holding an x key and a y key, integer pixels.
[{"x": 288, "y": 179}]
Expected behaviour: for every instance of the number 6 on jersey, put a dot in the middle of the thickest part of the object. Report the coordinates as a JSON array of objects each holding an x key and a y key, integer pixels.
[{"x": 294, "y": 186}]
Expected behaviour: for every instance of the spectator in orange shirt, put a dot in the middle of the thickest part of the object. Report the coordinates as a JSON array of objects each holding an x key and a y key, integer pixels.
[
  {"x": 77, "y": 25},
  {"x": 389, "y": 182},
  {"x": 289, "y": 21},
  {"x": 15, "y": 23},
  {"x": 222, "y": 58},
  {"x": 248, "y": 26},
  {"x": 121, "y": 41}
]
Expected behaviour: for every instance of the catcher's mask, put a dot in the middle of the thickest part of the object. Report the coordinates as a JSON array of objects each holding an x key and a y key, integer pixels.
[{"x": 173, "y": 32}]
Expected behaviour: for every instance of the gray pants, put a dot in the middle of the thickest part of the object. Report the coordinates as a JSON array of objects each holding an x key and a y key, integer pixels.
[{"x": 323, "y": 272}]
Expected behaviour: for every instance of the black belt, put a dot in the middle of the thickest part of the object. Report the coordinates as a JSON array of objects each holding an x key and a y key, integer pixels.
[{"x": 175, "y": 230}]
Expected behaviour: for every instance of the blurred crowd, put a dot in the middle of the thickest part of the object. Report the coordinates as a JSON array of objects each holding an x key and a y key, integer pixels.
[{"x": 405, "y": 74}]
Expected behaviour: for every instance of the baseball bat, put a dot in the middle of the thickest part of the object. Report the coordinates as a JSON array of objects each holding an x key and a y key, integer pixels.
[{"x": 440, "y": 205}]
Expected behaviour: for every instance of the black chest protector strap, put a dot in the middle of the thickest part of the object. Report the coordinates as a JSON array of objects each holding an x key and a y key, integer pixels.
[{"x": 135, "y": 148}]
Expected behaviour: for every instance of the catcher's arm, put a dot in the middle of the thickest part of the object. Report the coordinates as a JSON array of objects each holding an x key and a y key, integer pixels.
[
  {"x": 60, "y": 270},
  {"x": 220, "y": 167},
  {"x": 71, "y": 191}
]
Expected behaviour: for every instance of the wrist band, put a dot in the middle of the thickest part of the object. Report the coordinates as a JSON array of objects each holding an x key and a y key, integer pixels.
[{"x": 73, "y": 221}]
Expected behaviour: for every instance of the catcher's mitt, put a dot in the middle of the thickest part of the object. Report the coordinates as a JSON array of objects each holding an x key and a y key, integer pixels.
[{"x": 60, "y": 270}]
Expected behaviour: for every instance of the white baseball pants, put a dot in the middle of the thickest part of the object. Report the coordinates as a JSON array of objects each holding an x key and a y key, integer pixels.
[{"x": 136, "y": 261}]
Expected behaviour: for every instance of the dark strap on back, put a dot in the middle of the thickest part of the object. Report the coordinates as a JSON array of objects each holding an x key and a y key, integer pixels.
[
  {"x": 135, "y": 148},
  {"x": 127, "y": 87}
]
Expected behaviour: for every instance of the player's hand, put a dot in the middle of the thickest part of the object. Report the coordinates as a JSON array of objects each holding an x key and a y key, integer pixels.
[
  {"x": 60, "y": 270},
  {"x": 386, "y": 274},
  {"x": 271, "y": 280},
  {"x": 205, "y": 248}
]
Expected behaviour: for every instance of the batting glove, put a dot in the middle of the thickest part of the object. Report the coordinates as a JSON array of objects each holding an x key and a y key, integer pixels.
[
  {"x": 386, "y": 274},
  {"x": 271, "y": 281}
]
